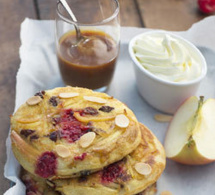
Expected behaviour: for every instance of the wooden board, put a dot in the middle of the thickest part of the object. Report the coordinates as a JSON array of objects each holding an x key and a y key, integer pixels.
[
  {"x": 129, "y": 15},
  {"x": 169, "y": 14},
  {"x": 12, "y": 13}
]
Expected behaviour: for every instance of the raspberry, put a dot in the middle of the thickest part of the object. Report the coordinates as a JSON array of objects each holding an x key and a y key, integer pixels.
[
  {"x": 111, "y": 173},
  {"x": 207, "y": 6},
  {"x": 81, "y": 157},
  {"x": 71, "y": 128},
  {"x": 46, "y": 165}
]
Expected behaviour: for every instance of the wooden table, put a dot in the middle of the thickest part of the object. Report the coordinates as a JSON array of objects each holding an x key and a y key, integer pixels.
[{"x": 160, "y": 14}]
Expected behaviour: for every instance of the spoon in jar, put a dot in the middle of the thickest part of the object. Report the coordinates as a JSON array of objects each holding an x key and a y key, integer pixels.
[{"x": 71, "y": 14}]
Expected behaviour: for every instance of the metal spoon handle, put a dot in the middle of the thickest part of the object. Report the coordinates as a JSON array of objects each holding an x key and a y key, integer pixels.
[{"x": 71, "y": 14}]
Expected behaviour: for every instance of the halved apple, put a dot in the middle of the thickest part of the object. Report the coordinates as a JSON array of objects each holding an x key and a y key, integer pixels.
[{"x": 190, "y": 138}]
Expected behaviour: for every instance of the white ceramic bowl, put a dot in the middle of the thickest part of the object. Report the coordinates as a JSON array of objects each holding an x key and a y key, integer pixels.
[{"x": 165, "y": 95}]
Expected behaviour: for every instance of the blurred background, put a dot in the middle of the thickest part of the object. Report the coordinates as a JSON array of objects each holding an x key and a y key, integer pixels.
[
  {"x": 161, "y": 14},
  {"x": 174, "y": 15}
]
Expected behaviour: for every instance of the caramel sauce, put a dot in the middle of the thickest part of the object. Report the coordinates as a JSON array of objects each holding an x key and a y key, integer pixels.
[{"x": 89, "y": 63}]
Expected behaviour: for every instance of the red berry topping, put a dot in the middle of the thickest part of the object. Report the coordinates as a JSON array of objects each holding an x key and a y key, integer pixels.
[
  {"x": 207, "y": 6},
  {"x": 111, "y": 173},
  {"x": 46, "y": 165},
  {"x": 81, "y": 157},
  {"x": 70, "y": 128}
]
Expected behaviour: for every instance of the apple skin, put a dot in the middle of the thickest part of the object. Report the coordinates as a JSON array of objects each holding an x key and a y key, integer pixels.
[{"x": 189, "y": 155}]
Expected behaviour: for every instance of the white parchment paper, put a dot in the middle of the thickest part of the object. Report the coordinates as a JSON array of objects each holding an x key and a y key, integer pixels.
[{"x": 39, "y": 71}]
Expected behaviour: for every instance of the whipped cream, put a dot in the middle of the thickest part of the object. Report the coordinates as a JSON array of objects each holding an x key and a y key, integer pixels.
[{"x": 167, "y": 57}]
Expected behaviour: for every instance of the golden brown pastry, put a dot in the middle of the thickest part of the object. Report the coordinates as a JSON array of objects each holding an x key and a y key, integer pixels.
[
  {"x": 133, "y": 174},
  {"x": 68, "y": 132},
  {"x": 38, "y": 186}
]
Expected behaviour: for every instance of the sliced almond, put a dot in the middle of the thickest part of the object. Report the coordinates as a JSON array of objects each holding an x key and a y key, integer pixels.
[
  {"x": 165, "y": 193},
  {"x": 68, "y": 95},
  {"x": 122, "y": 121},
  {"x": 87, "y": 139},
  {"x": 95, "y": 99},
  {"x": 143, "y": 168},
  {"x": 34, "y": 100},
  {"x": 162, "y": 117},
  {"x": 62, "y": 151}
]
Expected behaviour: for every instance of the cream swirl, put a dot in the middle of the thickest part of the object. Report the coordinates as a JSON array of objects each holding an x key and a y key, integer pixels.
[{"x": 167, "y": 57}]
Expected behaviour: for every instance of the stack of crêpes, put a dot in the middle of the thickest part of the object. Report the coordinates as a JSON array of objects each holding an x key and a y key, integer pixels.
[{"x": 76, "y": 141}]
